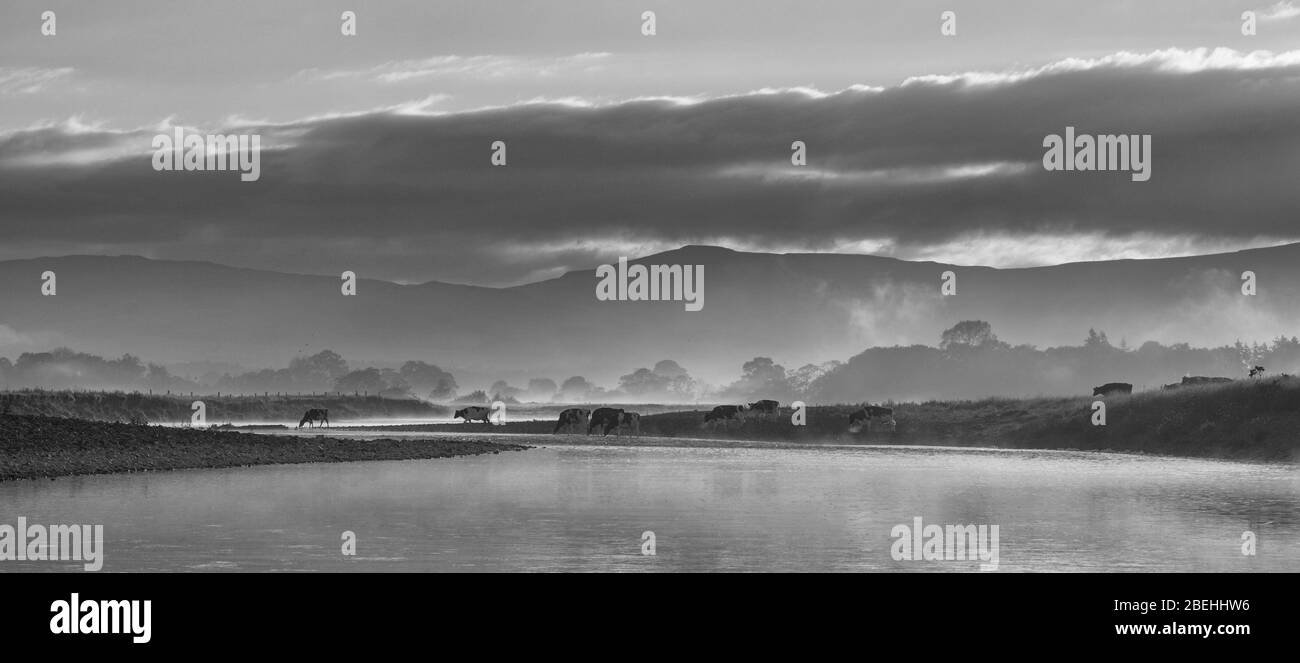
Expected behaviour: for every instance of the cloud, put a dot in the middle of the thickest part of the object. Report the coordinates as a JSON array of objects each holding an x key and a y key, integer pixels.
[
  {"x": 29, "y": 80},
  {"x": 1280, "y": 11},
  {"x": 932, "y": 167},
  {"x": 1175, "y": 60},
  {"x": 464, "y": 66}
]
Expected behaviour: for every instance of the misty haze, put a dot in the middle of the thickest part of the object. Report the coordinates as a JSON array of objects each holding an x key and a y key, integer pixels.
[{"x": 692, "y": 287}]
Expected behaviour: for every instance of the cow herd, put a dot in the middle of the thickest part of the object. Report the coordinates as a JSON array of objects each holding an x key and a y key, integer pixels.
[
  {"x": 1197, "y": 380},
  {"x": 607, "y": 419},
  {"x": 1124, "y": 388},
  {"x": 617, "y": 420},
  {"x": 620, "y": 421},
  {"x": 723, "y": 414}
]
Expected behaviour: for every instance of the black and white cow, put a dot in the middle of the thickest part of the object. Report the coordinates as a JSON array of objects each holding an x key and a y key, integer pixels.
[
  {"x": 1257, "y": 372},
  {"x": 725, "y": 413},
  {"x": 1113, "y": 389},
  {"x": 631, "y": 421},
  {"x": 1196, "y": 380},
  {"x": 313, "y": 415},
  {"x": 475, "y": 413},
  {"x": 765, "y": 408},
  {"x": 574, "y": 416},
  {"x": 864, "y": 416},
  {"x": 607, "y": 418}
]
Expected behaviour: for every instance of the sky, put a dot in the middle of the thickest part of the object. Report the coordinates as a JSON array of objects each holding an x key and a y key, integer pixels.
[{"x": 376, "y": 147}]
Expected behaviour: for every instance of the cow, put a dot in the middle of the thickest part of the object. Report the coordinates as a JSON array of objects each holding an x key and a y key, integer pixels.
[
  {"x": 632, "y": 421},
  {"x": 1257, "y": 372},
  {"x": 766, "y": 408},
  {"x": 574, "y": 416},
  {"x": 313, "y": 415},
  {"x": 1112, "y": 388},
  {"x": 608, "y": 418},
  {"x": 725, "y": 413},
  {"x": 474, "y": 413},
  {"x": 1201, "y": 379},
  {"x": 867, "y": 413}
]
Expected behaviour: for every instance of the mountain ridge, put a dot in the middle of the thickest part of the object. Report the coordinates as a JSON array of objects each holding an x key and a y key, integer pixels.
[{"x": 794, "y": 307}]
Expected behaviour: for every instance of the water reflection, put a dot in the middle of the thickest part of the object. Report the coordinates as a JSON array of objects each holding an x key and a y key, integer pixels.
[{"x": 584, "y": 508}]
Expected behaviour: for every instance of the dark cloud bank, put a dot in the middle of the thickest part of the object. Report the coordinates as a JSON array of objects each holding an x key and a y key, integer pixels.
[{"x": 922, "y": 164}]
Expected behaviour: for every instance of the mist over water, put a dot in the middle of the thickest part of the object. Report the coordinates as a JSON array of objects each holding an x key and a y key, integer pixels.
[{"x": 566, "y": 508}]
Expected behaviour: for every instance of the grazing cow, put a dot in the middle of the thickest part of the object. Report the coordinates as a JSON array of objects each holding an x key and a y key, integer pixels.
[
  {"x": 1257, "y": 371},
  {"x": 766, "y": 408},
  {"x": 725, "y": 413},
  {"x": 474, "y": 413},
  {"x": 631, "y": 420},
  {"x": 608, "y": 418},
  {"x": 1200, "y": 379},
  {"x": 868, "y": 412},
  {"x": 1112, "y": 389},
  {"x": 313, "y": 415},
  {"x": 574, "y": 416}
]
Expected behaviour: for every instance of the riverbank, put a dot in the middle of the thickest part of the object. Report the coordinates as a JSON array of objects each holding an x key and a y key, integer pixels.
[
  {"x": 172, "y": 409},
  {"x": 46, "y": 447},
  {"x": 1245, "y": 420}
]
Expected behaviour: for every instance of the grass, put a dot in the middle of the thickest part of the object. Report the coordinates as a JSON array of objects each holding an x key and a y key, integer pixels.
[
  {"x": 1242, "y": 420},
  {"x": 172, "y": 409}
]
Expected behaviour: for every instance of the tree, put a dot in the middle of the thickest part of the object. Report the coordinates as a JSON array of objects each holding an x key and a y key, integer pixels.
[
  {"x": 542, "y": 389},
  {"x": 367, "y": 380},
  {"x": 576, "y": 388},
  {"x": 669, "y": 369},
  {"x": 644, "y": 381},
  {"x": 444, "y": 390},
  {"x": 395, "y": 386},
  {"x": 968, "y": 334},
  {"x": 576, "y": 383},
  {"x": 801, "y": 380},
  {"x": 503, "y": 391},
  {"x": 762, "y": 369},
  {"x": 424, "y": 377},
  {"x": 1096, "y": 340},
  {"x": 761, "y": 378},
  {"x": 317, "y": 371},
  {"x": 476, "y": 396}
]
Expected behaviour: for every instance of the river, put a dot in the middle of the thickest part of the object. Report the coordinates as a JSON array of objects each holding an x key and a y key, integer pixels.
[{"x": 586, "y": 508}]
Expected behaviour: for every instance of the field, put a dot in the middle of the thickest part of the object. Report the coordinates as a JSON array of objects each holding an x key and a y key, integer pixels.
[
  {"x": 1253, "y": 420},
  {"x": 123, "y": 406},
  {"x": 1243, "y": 420}
]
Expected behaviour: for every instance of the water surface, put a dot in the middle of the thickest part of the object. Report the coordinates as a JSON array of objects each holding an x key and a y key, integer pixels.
[{"x": 581, "y": 508}]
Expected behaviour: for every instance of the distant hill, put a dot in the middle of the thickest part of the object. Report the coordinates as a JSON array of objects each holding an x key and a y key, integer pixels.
[{"x": 796, "y": 308}]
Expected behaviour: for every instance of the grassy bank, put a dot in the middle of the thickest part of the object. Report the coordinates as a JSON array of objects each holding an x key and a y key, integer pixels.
[
  {"x": 47, "y": 447},
  {"x": 172, "y": 409},
  {"x": 1243, "y": 420}
]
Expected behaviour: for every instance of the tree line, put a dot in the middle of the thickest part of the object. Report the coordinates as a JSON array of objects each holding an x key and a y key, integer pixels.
[{"x": 969, "y": 361}]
